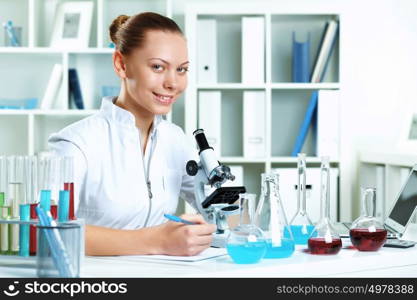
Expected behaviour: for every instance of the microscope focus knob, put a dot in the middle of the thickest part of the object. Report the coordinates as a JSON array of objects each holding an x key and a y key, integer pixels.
[{"x": 192, "y": 167}]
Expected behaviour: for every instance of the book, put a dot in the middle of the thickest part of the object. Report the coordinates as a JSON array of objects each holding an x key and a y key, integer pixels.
[
  {"x": 50, "y": 97},
  {"x": 75, "y": 89},
  {"x": 253, "y": 50},
  {"x": 207, "y": 51},
  {"x": 209, "y": 118},
  {"x": 324, "y": 52},
  {"x": 327, "y": 141},
  {"x": 300, "y": 59},
  {"x": 308, "y": 117},
  {"x": 254, "y": 130}
]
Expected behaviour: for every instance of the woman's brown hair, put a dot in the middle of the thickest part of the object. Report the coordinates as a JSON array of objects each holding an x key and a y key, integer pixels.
[{"x": 128, "y": 33}]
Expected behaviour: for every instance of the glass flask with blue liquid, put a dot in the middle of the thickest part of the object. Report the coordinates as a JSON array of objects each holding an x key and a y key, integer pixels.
[
  {"x": 270, "y": 218},
  {"x": 300, "y": 224},
  {"x": 246, "y": 242}
]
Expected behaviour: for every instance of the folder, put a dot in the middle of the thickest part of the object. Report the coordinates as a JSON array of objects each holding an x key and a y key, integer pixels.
[
  {"x": 327, "y": 44},
  {"x": 254, "y": 131},
  {"x": 209, "y": 118},
  {"x": 206, "y": 51},
  {"x": 50, "y": 96},
  {"x": 253, "y": 50},
  {"x": 300, "y": 59},
  {"x": 328, "y": 124}
]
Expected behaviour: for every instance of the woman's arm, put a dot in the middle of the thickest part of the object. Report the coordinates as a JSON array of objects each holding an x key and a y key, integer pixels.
[{"x": 170, "y": 238}]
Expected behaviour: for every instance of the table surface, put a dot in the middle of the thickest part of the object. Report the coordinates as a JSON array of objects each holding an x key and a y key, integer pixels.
[{"x": 387, "y": 262}]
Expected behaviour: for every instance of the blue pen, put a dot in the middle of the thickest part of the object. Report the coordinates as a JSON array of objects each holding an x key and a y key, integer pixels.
[{"x": 177, "y": 219}]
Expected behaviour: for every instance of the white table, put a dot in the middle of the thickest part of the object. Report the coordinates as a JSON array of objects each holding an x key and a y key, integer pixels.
[{"x": 387, "y": 262}]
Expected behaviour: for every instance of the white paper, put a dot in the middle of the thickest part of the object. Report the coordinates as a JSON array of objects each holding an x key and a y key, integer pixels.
[{"x": 206, "y": 254}]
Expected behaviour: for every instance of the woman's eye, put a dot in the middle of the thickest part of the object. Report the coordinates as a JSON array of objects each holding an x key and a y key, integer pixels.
[
  {"x": 182, "y": 69},
  {"x": 157, "y": 67}
]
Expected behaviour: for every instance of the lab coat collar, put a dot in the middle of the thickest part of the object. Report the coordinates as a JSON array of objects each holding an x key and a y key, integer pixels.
[{"x": 120, "y": 115}]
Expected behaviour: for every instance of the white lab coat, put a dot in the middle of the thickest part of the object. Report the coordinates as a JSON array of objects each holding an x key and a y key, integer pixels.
[{"x": 110, "y": 170}]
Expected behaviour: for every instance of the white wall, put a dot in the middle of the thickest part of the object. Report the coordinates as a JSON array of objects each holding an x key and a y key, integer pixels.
[{"x": 378, "y": 71}]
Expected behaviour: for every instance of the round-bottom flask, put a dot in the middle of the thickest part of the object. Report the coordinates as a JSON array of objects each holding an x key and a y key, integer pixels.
[
  {"x": 325, "y": 239},
  {"x": 301, "y": 226},
  {"x": 246, "y": 242},
  {"x": 367, "y": 233}
]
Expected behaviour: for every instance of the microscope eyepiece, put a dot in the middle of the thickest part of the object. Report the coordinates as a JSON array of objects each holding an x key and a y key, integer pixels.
[{"x": 200, "y": 137}]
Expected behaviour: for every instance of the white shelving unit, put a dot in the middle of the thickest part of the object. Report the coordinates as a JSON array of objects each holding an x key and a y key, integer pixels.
[
  {"x": 286, "y": 102},
  {"x": 387, "y": 172},
  {"x": 25, "y": 71}
]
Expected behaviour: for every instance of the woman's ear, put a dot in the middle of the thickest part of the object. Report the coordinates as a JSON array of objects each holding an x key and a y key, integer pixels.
[{"x": 119, "y": 65}]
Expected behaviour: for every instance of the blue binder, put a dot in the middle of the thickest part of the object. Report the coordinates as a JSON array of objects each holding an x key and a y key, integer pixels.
[
  {"x": 75, "y": 89},
  {"x": 300, "y": 59}
]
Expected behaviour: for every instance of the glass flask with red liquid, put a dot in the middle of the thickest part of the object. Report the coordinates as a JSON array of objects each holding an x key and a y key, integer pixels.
[
  {"x": 367, "y": 233},
  {"x": 270, "y": 218},
  {"x": 325, "y": 239},
  {"x": 300, "y": 224}
]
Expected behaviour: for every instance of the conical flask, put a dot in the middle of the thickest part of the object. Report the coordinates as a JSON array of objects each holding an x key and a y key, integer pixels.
[
  {"x": 326, "y": 240},
  {"x": 367, "y": 233},
  {"x": 270, "y": 218},
  {"x": 300, "y": 224},
  {"x": 246, "y": 242}
]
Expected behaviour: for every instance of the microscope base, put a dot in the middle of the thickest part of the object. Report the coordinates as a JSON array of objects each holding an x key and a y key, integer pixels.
[{"x": 219, "y": 240}]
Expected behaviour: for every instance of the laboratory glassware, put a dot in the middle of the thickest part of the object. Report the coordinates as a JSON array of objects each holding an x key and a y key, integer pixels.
[
  {"x": 16, "y": 196},
  {"x": 300, "y": 224},
  {"x": 367, "y": 233},
  {"x": 68, "y": 178},
  {"x": 270, "y": 218},
  {"x": 246, "y": 242},
  {"x": 326, "y": 240},
  {"x": 4, "y": 206}
]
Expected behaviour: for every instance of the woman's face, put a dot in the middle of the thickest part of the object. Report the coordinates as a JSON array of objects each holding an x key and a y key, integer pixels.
[{"x": 157, "y": 72}]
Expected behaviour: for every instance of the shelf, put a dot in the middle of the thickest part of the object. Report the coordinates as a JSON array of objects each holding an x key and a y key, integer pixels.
[
  {"x": 70, "y": 112},
  {"x": 291, "y": 159},
  {"x": 240, "y": 159},
  {"x": 230, "y": 86},
  {"x": 305, "y": 86},
  {"x": 390, "y": 158},
  {"x": 48, "y": 50}
]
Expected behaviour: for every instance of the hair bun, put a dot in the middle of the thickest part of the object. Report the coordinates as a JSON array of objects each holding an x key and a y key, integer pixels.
[{"x": 115, "y": 26}]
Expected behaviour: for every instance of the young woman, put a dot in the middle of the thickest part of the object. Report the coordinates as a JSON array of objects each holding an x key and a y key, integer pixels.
[{"x": 129, "y": 162}]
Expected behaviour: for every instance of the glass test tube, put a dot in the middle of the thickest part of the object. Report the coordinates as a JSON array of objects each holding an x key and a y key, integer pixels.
[
  {"x": 29, "y": 197},
  {"x": 31, "y": 164},
  {"x": 4, "y": 208},
  {"x": 55, "y": 183},
  {"x": 68, "y": 177},
  {"x": 16, "y": 196},
  {"x": 44, "y": 183}
]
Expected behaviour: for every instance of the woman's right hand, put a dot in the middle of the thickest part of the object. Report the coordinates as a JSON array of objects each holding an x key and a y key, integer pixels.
[{"x": 185, "y": 240}]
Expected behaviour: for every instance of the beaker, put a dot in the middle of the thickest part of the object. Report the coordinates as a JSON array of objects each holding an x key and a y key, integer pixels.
[
  {"x": 326, "y": 240},
  {"x": 300, "y": 224},
  {"x": 270, "y": 218},
  {"x": 246, "y": 242},
  {"x": 367, "y": 233}
]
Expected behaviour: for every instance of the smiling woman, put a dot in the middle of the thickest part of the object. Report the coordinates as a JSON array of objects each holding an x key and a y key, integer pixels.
[{"x": 129, "y": 162}]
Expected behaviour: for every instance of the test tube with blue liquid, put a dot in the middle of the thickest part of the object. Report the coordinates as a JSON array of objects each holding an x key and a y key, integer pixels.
[
  {"x": 4, "y": 207},
  {"x": 301, "y": 226},
  {"x": 45, "y": 181},
  {"x": 16, "y": 197}
]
